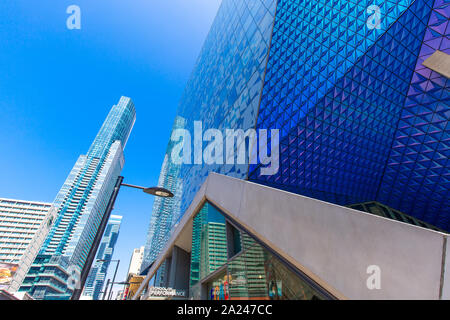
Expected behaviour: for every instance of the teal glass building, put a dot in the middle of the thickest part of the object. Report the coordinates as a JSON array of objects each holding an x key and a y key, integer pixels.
[
  {"x": 165, "y": 211},
  {"x": 81, "y": 204},
  {"x": 361, "y": 118}
]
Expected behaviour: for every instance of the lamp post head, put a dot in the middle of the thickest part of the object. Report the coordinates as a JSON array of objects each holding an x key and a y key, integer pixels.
[
  {"x": 159, "y": 192},
  {"x": 107, "y": 260}
]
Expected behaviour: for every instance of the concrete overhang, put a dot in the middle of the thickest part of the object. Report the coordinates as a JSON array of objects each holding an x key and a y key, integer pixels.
[{"x": 332, "y": 245}]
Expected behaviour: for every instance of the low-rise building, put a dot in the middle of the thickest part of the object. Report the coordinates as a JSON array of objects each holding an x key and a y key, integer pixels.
[{"x": 23, "y": 228}]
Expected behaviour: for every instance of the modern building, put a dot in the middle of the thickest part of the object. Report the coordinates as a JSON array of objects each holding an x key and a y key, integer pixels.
[
  {"x": 136, "y": 260},
  {"x": 361, "y": 117},
  {"x": 358, "y": 93},
  {"x": 309, "y": 249},
  {"x": 23, "y": 228},
  {"x": 134, "y": 282},
  {"x": 81, "y": 205},
  {"x": 133, "y": 279},
  {"x": 166, "y": 211},
  {"x": 96, "y": 279}
]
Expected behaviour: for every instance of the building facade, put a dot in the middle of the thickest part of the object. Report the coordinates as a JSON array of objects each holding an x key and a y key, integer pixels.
[
  {"x": 360, "y": 116},
  {"x": 238, "y": 267},
  {"x": 93, "y": 287},
  {"x": 134, "y": 282},
  {"x": 81, "y": 204},
  {"x": 136, "y": 260},
  {"x": 166, "y": 211},
  {"x": 248, "y": 241},
  {"x": 23, "y": 228}
]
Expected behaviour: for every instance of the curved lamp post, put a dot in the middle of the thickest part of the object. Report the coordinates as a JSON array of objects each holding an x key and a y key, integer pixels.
[
  {"x": 114, "y": 278},
  {"x": 155, "y": 191}
]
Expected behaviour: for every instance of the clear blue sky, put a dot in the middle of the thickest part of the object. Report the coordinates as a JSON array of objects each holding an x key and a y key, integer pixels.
[{"x": 57, "y": 86}]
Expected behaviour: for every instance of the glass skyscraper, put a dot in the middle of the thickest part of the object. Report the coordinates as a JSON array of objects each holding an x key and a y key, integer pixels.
[
  {"x": 96, "y": 279},
  {"x": 360, "y": 116},
  {"x": 81, "y": 204},
  {"x": 165, "y": 210}
]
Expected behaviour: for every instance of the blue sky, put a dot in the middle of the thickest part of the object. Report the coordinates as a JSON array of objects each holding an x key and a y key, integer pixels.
[{"x": 57, "y": 86}]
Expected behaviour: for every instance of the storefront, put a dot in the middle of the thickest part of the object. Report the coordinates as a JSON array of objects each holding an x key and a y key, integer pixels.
[{"x": 228, "y": 264}]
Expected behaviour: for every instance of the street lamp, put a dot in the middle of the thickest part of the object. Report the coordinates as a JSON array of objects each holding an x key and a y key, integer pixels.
[
  {"x": 106, "y": 289},
  {"x": 113, "y": 280},
  {"x": 156, "y": 191}
]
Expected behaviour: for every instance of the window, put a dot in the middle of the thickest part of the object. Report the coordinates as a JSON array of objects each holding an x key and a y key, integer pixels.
[
  {"x": 233, "y": 240},
  {"x": 229, "y": 264}
]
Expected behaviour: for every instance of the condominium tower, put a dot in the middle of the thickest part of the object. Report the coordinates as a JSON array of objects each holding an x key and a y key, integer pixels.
[
  {"x": 166, "y": 211},
  {"x": 81, "y": 204}
]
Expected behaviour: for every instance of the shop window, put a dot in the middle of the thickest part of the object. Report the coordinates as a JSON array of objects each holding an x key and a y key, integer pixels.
[
  {"x": 233, "y": 240},
  {"x": 229, "y": 264},
  {"x": 218, "y": 287},
  {"x": 209, "y": 243}
]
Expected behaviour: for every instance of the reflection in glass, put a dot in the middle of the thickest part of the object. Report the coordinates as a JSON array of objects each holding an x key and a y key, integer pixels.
[
  {"x": 250, "y": 273},
  {"x": 209, "y": 243}
]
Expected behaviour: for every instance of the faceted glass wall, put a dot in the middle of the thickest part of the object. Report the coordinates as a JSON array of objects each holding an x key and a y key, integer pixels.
[
  {"x": 416, "y": 180},
  {"x": 361, "y": 118},
  {"x": 225, "y": 86},
  {"x": 336, "y": 89}
]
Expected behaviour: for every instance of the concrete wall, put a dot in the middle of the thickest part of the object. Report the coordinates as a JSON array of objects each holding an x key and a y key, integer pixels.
[
  {"x": 333, "y": 245},
  {"x": 180, "y": 270}
]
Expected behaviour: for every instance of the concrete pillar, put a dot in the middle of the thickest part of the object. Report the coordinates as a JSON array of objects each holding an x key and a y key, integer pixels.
[{"x": 179, "y": 270}]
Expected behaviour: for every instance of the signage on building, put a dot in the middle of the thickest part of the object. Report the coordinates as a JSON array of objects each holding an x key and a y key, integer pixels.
[
  {"x": 7, "y": 272},
  {"x": 166, "y": 292}
]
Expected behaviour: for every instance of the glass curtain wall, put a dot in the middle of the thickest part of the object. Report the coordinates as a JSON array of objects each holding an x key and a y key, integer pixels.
[{"x": 229, "y": 264}]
